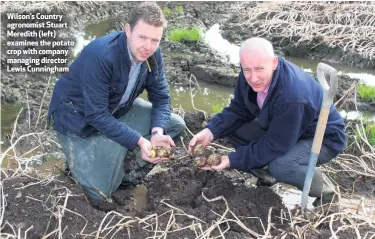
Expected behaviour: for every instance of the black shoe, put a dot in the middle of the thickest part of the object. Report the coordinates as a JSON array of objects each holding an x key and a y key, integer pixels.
[
  {"x": 264, "y": 177},
  {"x": 67, "y": 172},
  {"x": 127, "y": 185}
]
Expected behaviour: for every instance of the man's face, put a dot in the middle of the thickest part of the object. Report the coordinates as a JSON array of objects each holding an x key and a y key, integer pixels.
[
  {"x": 258, "y": 68},
  {"x": 143, "y": 40}
]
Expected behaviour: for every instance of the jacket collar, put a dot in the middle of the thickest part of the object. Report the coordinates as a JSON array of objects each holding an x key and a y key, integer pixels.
[
  {"x": 276, "y": 75},
  {"x": 123, "y": 43}
]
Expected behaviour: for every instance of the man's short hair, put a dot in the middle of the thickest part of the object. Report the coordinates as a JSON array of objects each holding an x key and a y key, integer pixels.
[{"x": 150, "y": 13}]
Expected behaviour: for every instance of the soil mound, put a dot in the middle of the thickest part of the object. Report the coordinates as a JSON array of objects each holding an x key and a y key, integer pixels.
[{"x": 185, "y": 201}]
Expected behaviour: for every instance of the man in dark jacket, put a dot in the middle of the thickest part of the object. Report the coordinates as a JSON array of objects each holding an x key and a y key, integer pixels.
[
  {"x": 96, "y": 112},
  {"x": 271, "y": 121}
]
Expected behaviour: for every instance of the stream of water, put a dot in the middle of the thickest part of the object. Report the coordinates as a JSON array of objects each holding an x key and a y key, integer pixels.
[{"x": 210, "y": 97}]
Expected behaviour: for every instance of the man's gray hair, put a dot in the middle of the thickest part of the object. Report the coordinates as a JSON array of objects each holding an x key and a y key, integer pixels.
[
  {"x": 258, "y": 43},
  {"x": 150, "y": 13}
]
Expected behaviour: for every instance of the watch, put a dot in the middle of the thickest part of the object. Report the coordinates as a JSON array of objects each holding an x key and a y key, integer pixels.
[{"x": 155, "y": 133}]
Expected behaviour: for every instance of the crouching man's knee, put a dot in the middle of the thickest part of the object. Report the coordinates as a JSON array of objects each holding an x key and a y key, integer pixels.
[
  {"x": 176, "y": 126},
  {"x": 287, "y": 172}
]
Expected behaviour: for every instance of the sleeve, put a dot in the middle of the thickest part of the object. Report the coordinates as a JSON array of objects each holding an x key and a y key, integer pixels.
[
  {"x": 233, "y": 116},
  {"x": 96, "y": 88},
  {"x": 158, "y": 95},
  {"x": 286, "y": 127}
]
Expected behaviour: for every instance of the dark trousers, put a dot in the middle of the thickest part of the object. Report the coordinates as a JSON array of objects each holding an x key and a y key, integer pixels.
[{"x": 290, "y": 168}]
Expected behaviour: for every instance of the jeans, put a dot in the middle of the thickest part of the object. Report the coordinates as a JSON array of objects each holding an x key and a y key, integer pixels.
[{"x": 99, "y": 163}]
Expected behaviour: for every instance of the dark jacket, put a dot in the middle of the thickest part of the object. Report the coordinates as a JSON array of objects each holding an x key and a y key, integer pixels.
[
  {"x": 85, "y": 100},
  {"x": 290, "y": 113}
]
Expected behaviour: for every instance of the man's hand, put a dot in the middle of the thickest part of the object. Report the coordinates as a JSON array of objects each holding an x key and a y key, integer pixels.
[
  {"x": 164, "y": 141},
  {"x": 204, "y": 137},
  {"x": 224, "y": 164},
  {"x": 145, "y": 147}
]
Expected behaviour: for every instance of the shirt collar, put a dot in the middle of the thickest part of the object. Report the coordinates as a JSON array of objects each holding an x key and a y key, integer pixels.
[{"x": 266, "y": 90}]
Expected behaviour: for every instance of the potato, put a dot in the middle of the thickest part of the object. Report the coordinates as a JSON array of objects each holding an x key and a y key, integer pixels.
[
  {"x": 213, "y": 159},
  {"x": 199, "y": 149},
  {"x": 200, "y": 161},
  {"x": 153, "y": 153},
  {"x": 160, "y": 152}
]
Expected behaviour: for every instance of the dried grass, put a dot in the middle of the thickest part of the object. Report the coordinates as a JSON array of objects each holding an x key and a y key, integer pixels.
[{"x": 337, "y": 24}]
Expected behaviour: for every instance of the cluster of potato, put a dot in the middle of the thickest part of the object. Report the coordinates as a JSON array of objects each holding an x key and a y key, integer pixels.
[
  {"x": 204, "y": 157},
  {"x": 160, "y": 152}
]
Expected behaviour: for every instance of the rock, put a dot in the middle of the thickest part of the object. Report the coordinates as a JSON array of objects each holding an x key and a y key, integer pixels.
[
  {"x": 155, "y": 170},
  {"x": 21, "y": 225},
  {"x": 19, "y": 194},
  {"x": 251, "y": 182},
  {"x": 220, "y": 75}
]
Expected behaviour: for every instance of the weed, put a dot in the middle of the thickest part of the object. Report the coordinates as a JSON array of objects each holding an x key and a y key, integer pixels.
[
  {"x": 216, "y": 108},
  {"x": 179, "y": 34},
  {"x": 179, "y": 9},
  {"x": 166, "y": 11},
  {"x": 370, "y": 133},
  {"x": 366, "y": 92}
]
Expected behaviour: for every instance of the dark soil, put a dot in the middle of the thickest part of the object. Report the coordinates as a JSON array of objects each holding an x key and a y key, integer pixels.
[
  {"x": 177, "y": 198},
  {"x": 353, "y": 183},
  {"x": 186, "y": 193},
  {"x": 181, "y": 187}
]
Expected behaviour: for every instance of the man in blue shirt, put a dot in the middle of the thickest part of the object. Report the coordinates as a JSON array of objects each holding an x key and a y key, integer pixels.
[
  {"x": 271, "y": 121},
  {"x": 96, "y": 112}
]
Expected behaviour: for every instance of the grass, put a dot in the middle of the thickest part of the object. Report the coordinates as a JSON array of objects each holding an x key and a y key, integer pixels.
[
  {"x": 179, "y": 34},
  {"x": 216, "y": 108},
  {"x": 370, "y": 133},
  {"x": 179, "y": 9},
  {"x": 366, "y": 92},
  {"x": 166, "y": 11}
]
